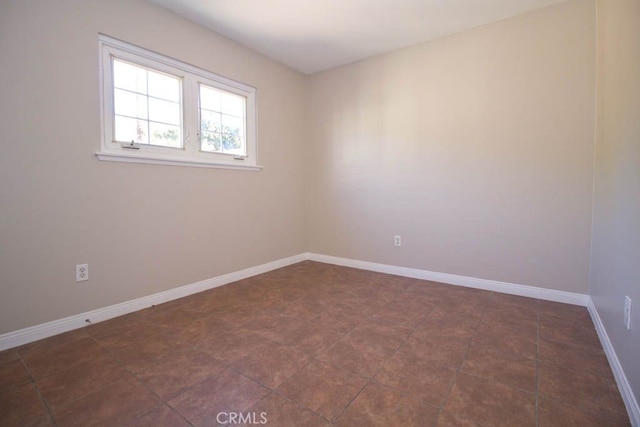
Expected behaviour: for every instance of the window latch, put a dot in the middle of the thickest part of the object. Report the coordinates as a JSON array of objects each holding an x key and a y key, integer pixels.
[
  {"x": 239, "y": 157},
  {"x": 131, "y": 145}
]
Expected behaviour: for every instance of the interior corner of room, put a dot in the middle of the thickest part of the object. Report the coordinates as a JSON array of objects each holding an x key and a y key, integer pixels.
[{"x": 504, "y": 157}]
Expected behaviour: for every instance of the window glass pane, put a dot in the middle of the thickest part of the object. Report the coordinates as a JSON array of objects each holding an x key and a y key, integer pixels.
[
  {"x": 233, "y": 144},
  {"x": 128, "y": 129},
  {"x": 211, "y": 141},
  {"x": 129, "y": 104},
  {"x": 231, "y": 124},
  {"x": 130, "y": 77},
  {"x": 165, "y": 135},
  {"x": 210, "y": 121},
  {"x": 164, "y": 111},
  {"x": 164, "y": 86},
  {"x": 222, "y": 133},
  {"x": 232, "y": 104},
  {"x": 209, "y": 98}
]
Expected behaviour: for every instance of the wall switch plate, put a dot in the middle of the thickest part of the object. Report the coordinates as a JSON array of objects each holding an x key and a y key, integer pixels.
[
  {"x": 627, "y": 312},
  {"x": 397, "y": 240},
  {"x": 82, "y": 272}
]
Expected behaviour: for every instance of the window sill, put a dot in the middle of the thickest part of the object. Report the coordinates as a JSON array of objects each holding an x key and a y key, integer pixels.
[{"x": 170, "y": 161}]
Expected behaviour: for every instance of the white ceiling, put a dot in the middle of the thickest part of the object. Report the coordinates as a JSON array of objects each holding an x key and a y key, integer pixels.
[{"x": 315, "y": 35}]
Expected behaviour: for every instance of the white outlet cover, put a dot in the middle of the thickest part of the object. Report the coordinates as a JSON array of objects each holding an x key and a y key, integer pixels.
[
  {"x": 82, "y": 272},
  {"x": 627, "y": 312}
]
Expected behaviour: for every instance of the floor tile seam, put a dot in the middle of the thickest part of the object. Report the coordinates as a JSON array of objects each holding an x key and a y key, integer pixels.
[
  {"x": 492, "y": 379},
  {"x": 137, "y": 417},
  {"x": 408, "y": 394},
  {"x": 588, "y": 348},
  {"x": 296, "y": 404},
  {"x": 610, "y": 379},
  {"x": 105, "y": 385},
  {"x": 455, "y": 376},
  {"x": 459, "y": 370},
  {"x": 521, "y": 358},
  {"x": 45, "y": 403},
  {"x": 590, "y": 410},
  {"x": 66, "y": 368},
  {"x": 238, "y": 371},
  {"x": 351, "y": 401},
  {"x": 94, "y": 391}
]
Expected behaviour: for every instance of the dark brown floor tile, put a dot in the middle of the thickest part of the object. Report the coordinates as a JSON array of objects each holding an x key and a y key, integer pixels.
[
  {"x": 356, "y": 356},
  {"x": 366, "y": 348},
  {"x": 341, "y": 322},
  {"x": 313, "y": 337},
  {"x": 138, "y": 356},
  {"x": 558, "y": 414},
  {"x": 162, "y": 416},
  {"x": 278, "y": 411},
  {"x": 322, "y": 388},
  {"x": 8, "y": 356},
  {"x": 506, "y": 340},
  {"x": 400, "y": 313},
  {"x": 231, "y": 346},
  {"x": 54, "y": 341},
  {"x": 226, "y": 392},
  {"x": 583, "y": 389},
  {"x": 173, "y": 319},
  {"x": 236, "y": 312},
  {"x": 508, "y": 369},
  {"x": 578, "y": 358},
  {"x": 511, "y": 318},
  {"x": 13, "y": 374},
  {"x": 584, "y": 336},
  {"x": 456, "y": 325},
  {"x": 22, "y": 406},
  {"x": 478, "y": 401},
  {"x": 274, "y": 327},
  {"x": 559, "y": 309},
  {"x": 203, "y": 329},
  {"x": 117, "y": 403},
  {"x": 411, "y": 373},
  {"x": 119, "y": 333},
  {"x": 525, "y": 306},
  {"x": 177, "y": 371},
  {"x": 64, "y": 387},
  {"x": 440, "y": 350},
  {"x": 446, "y": 419},
  {"x": 377, "y": 405},
  {"x": 45, "y": 360},
  {"x": 272, "y": 363}
]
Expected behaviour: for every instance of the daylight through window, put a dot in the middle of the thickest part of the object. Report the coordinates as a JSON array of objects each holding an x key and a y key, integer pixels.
[{"x": 159, "y": 110}]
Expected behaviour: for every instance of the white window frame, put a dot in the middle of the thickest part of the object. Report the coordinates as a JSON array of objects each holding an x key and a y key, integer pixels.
[{"x": 190, "y": 154}]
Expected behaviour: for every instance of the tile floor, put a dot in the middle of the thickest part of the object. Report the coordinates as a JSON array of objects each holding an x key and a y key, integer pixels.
[{"x": 319, "y": 345}]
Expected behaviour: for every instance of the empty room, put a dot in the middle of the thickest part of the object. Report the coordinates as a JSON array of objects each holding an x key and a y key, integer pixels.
[{"x": 329, "y": 213}]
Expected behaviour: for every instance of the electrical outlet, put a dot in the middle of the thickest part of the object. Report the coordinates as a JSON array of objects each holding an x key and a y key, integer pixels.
[
  {"x": 397, "y": 240},
  {"x": 627, "y": 312},
  {"x": 82, "y": 272}
]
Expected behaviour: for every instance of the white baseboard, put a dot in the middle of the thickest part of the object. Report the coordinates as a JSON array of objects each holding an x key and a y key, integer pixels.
[
  {"x": 45, "y": 330},
  {"x": 621, "y": 379},
  {"x": 453, "y": 279}
]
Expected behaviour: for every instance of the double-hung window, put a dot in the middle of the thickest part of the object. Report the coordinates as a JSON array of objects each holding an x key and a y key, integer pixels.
[{"x": 156, "y": 109}]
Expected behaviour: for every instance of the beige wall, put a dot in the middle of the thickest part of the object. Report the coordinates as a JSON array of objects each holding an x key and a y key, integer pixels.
[
  {"x": 142, "y": 228},
  {"x": 616, "y": 233},
  {"x": 477, "y": 148}
]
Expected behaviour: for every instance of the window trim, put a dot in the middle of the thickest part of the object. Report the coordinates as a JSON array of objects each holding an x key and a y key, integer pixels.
[{"x": 190, "y": 154}]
